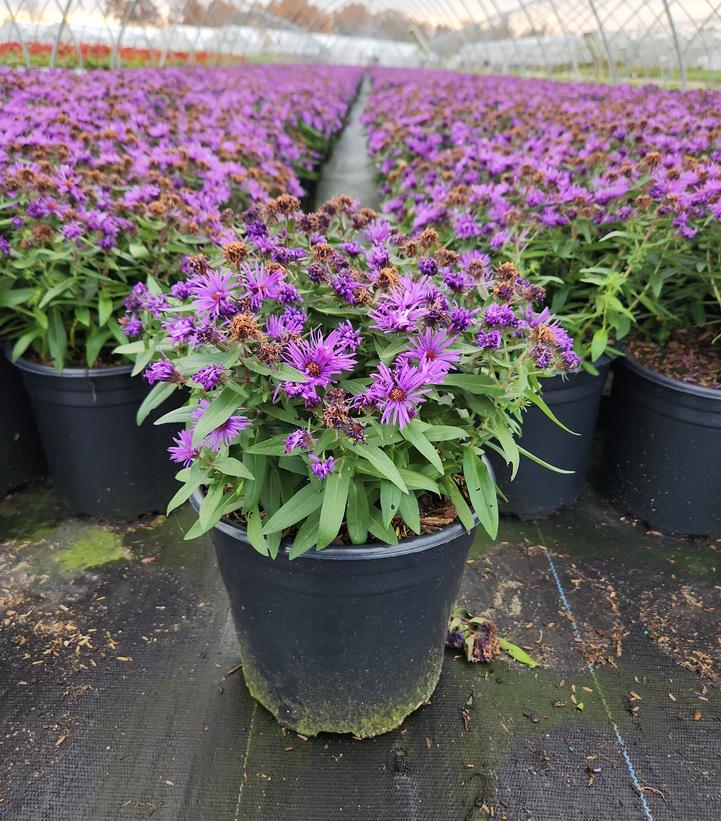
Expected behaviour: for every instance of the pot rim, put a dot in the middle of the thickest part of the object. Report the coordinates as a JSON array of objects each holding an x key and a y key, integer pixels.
[
  {"x": 669, "y": 382},
  {"x": 71, "y": 373},
  {"x": 416, "y": 544}
]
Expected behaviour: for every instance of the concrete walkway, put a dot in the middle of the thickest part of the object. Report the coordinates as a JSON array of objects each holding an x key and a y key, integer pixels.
[{"x": 348, "y": 170}]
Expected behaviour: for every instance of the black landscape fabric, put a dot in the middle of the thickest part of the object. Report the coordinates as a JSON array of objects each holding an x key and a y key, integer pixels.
[{"x": 121, "y": 696}]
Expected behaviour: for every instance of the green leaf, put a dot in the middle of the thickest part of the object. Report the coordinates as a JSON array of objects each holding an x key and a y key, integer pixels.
[
  {"x": 105, "y": 308},
  {"x": 412, "y": 433},
  {"x": 390, "y": 501},
  {"x": 130, "y": 348},
  {"x": 418, "y": 481},
  {"x": 232, "y": 467},
  {"x": 381, "y": 462},
  {"x": 410, "y": 512},
  {"x": 599, "y": 343},
  {"x": 138, "y": 251},
  {"x": 444, "y": 433},
  {"x": 275, "y": 446},
  {"x": 508, "y": 445},
  {"x": 481, "y": 490},
  {"x": 196, "y": 479},
  {"x": 182, "y": 415},
  {"x": 156, "y": 396},
  {"x": 539, "y": 461},
  {"x": 515, "y": 652},
  {"x": 306, "y": 501},
  {"x": 219, "y": 409},
  {"x": 258, "y": 466},
  {"x": 306, "y": 537},
  {"x": 335, "y": 496},
  {"x": 56, "y": 290},
  {"x": 94, "y": 345},
  {"x": 464, "y": 512},
  {"x": 357, "y": 513},
  {"x": 537, "y": 400},
  {"x": 211, "y": 503},
  {"x": 289, "y": 374},
  {"x": 57, "y": 338},
  {"x": 255, "y": 532},
  {"x": 475, "y": 383},
  {"x": 23, "y": 343},
  {"x": 11, "y": 297},
  {"x": 379, "y": 530}
]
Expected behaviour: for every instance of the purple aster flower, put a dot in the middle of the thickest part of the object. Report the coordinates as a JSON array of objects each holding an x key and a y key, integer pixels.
[
  {"x": 428, "y": 266},
  {"x": 181, "y": 290},
  {"x": 4, "y": 246},
  {"x": 321, "y": 467},
  {"x": 397, "y": 393},
  {"x": 288, "y": 293},
  {"x": 492, "y": 339},
  {"x": 183, "y": 451},
  {"x": 347, "y": 336},
  {"x": 161, "y": 371},
  {"x": 542, "y": 355},
  {"x": 291, "y": 321},
  {"x": 209, "y": 376},
  {"x": 224, "y": 434},
  {"x": 461, "y": 319},
  {"x": 318, "y": 358},
  {"x": 262, "y": 283},
  {"x": 345, "y": 286},
  {"x": 433, "y": 353},
  {"x": 131, "y": 325},
  {"x": 500, "y": 316},
  {"x": 300, "y": 438},
  {"x": 378, "y": 257},
  {"x": 351, "y": 248},
  {"x": 72, "y": 230},
  {"x": 317, "y": 272},
  {"x": 180, "y": 330},
  {"x": 214, "y": 294}
]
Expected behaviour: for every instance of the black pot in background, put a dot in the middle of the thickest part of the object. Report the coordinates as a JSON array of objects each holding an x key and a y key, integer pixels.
[
  {"x": 536, "y": 492},
  {"x": 100, "y": 461},
  {"x": 662, "y": 451},
  {"x": 21, "y": 455},
  {"x": 349, "y": 639}
]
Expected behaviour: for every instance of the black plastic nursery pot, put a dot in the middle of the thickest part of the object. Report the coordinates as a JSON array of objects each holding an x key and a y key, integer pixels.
[
  {"x": 99, "y": 460},
  {"x": 21, "y": 455},
  {"x": 662, "y": 451},
  {"x": 346, "y": 640},
  {"x": 537, "y": 492}
]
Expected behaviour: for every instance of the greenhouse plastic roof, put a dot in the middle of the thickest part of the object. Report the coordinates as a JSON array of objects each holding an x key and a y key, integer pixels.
[{"x": 665, "y": 40}]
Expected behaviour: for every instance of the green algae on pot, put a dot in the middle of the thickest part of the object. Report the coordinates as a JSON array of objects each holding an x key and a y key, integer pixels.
[{"x": 349, "y": 639}]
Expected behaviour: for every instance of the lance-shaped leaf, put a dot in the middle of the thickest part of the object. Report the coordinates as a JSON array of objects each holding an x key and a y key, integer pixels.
[
  {"x": 298, "y": 507},
  {"x": 335, "y": 496}
]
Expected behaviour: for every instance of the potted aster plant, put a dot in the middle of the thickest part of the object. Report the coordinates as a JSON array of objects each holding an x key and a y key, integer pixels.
[
  {"x": 341, "y": 402},
  {"x": 572, "y": 183},
  {"x": 662, "y": 449},
  {"x": 97, "y": 209}
]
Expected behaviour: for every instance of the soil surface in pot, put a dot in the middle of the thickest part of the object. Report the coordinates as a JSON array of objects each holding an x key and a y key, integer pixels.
[{"x": 690, "y": 355}]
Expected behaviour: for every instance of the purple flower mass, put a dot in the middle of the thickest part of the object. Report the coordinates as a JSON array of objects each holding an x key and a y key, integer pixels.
[
  {"x": 321, "y": 467},
  {"x": 214, "y": 294},
  {"x": 319, "y": 359},
  {"x": 183, "y": 451},
  {"x": 398, "y": 393}
]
